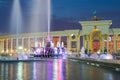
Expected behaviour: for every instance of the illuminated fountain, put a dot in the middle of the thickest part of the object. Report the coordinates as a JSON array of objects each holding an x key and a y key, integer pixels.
[
  {"x": 39, "y": 19},
  {"x": 106, "y": 56},
  {"x": 82, "y": 54},
  {"x": 16, "y": 25},
  {"x": 47, "y": 46},
  {"x": 16, "y": 20}
]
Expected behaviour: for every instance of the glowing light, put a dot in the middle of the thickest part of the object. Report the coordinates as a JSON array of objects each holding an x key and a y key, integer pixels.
[
  {"x": 117, "y": 69},
  {"x": 106, "y": 56},
  {"x": 25, "y": 49},
  {"x": 92, "y": 64},
  {"x": 57, "y": 70},
  {"x": 10, "y": 54},
  {"x": 7, "y": 50},
  {"x": 20, "y": 47},
  {"x": 72, "y": 35},
  {"x": 2, "y": 50},
  {"x": 87, "y": 62},
  {"x": 11, "y": 50},
  {"x": 97, "y": 65}
]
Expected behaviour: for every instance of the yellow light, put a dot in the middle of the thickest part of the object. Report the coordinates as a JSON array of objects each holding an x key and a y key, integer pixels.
[
  {"x": 25, "y": 49},
  {"x": 10, "y": 54}
]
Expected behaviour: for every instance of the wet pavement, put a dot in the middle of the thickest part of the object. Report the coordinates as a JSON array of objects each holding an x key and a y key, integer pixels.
[{"x": 54, "y": 69}]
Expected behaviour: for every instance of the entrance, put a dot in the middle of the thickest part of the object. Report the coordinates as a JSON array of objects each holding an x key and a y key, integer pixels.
[
  {"x": 96, "y": 45},
  {"x": 95, "y": 40}
]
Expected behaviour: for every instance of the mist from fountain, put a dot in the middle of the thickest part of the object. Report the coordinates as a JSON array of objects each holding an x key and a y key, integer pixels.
[
  {"x": 106, "y": 56},
  {"x": 16, "y": 18},
  {"x": 39, "y": 21},
  {"x": 82, "y": 54},
  {"x": 39, "y": 16},
  {"x": 16, "y": 21}
]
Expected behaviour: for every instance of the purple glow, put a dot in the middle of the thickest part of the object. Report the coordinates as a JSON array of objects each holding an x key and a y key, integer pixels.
[
  {"x": 106, "y": 56},
  {"x": 48, "y": 37},
  {"x": 58, "y": 69},
  {"x": 49, "y": 70},
  {"x": 94, "y": 56}
]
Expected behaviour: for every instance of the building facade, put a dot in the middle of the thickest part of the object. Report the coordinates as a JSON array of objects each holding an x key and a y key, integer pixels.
[{"x": 94, "y": 35}]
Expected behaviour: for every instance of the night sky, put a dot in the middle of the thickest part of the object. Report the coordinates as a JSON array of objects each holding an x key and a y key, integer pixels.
[{"x": 65, "y": 14}]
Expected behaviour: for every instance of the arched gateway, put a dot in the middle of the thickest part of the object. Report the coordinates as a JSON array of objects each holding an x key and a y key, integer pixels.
[
  {"x": 97, "y": 35},
  {"x": 95, "y": 39}
]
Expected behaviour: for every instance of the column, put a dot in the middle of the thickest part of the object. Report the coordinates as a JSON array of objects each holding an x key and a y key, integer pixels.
[
  {"x": 11, "y": 45},
  {"x": 6, "y": 45},
  {"x": 16, "y": 45},
  {"x": 114, "y": 43},
  {"x": 3, "y": 45},
  {"x": 29, "y": 44},
  {"x": 60, "y": 38},
  {"x": 78, "y": 44},
  {"x": 42, "y": 43},
  {"x": 102, "y": 43},
  {"x": 107, "y": 43},
  {"x": 23, "y": 45},
  {"x": 83, "y": 41},
  {"x": 88, "y": 40},
  {"x": 35, "y": 43},
  {"x": 68, "y": 44}
]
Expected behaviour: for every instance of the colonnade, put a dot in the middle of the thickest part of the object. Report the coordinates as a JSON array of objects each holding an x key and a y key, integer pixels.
[
  {"x": 104, "y": 38},
  {"x": 25, "y": 42},
  {"x": 18, "y": 45},
  {"x": 22, "y": 44}
]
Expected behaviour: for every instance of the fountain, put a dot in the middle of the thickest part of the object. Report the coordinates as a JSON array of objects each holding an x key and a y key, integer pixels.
[
  {"x": 83, "y": 55},
  {"x": 106, "y": 56},
  {"x": 16, "y": 18},
  {"x": 16, "y": 22},
  {"x": 41, "y": 14},
  {"x": 38, "y": 20}
]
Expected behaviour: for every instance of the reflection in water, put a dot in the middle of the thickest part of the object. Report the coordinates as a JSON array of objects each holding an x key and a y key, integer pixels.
[
  {"x": 34, "y": 71},
  {"x": 11, "y": 71},
  {"x": 20, "y": 71},
  {"x": 108, "y": 76},
  {"x": 2, "y": 72},
  {"x": 54, "y": 69},
  {"x": 25, "y": 71},
  {"x": 49, "y": 70},
  {"x": 57, "y": 70}
]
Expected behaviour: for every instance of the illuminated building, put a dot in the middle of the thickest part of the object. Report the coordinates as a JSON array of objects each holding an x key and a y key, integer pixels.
[{"x": 95, "y": 34}]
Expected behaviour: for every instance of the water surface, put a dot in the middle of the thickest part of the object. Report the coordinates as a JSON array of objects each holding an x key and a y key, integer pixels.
[{"x": 54, "y": 69}]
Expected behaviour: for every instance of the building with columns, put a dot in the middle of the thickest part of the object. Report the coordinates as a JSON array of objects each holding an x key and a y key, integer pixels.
[{"x": 94, "y": 35}]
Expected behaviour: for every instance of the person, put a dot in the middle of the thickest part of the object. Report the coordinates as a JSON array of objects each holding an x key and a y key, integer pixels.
[{"x": 17, "y": 58}]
